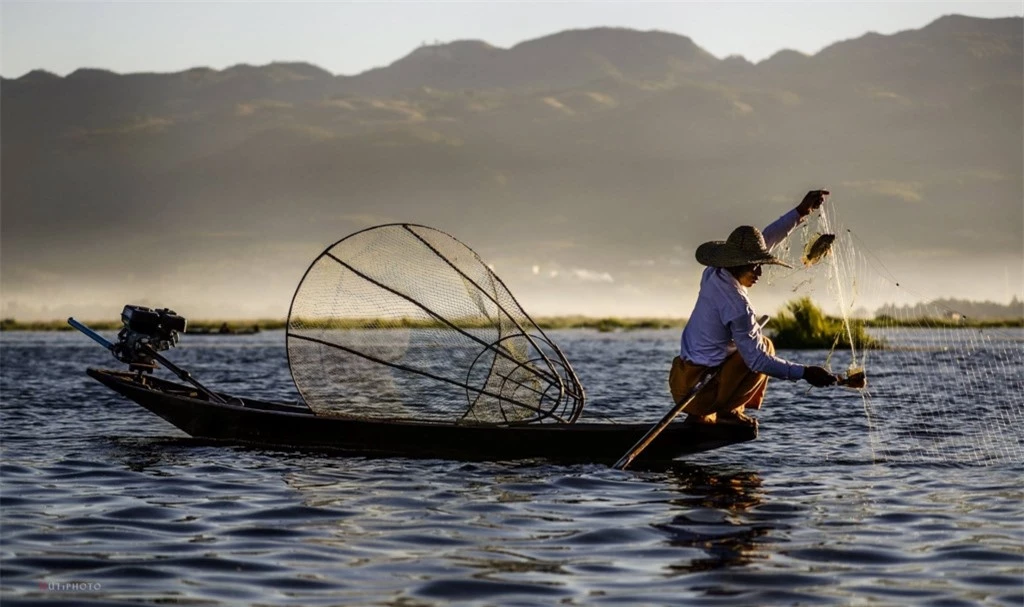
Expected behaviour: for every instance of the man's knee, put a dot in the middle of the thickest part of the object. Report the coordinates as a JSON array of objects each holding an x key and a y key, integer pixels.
[{"x": 676, "y": 379}]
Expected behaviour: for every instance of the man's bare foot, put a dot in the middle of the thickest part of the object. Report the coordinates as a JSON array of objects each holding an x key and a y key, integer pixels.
[
  {"x": 736, "y": 417},
  {"x": 700, "y": 420}
]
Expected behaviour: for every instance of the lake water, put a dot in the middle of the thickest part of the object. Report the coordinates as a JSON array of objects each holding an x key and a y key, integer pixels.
[{"x": 104, "y": 503}]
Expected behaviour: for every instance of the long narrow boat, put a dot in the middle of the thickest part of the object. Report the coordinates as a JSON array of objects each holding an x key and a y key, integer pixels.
[
  {"x": 402, "y": 341},
  {"x": 248, "y": 421}
]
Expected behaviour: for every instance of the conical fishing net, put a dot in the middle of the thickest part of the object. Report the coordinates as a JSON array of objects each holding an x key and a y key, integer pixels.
[{"x": 404, "y": 322}]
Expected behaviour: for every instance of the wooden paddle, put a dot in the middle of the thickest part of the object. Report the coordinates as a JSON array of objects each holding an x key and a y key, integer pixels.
[{"x": 655, "y": 430}]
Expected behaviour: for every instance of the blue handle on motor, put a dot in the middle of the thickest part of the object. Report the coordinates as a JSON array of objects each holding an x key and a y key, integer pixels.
[{"x": 93, "y": 335}]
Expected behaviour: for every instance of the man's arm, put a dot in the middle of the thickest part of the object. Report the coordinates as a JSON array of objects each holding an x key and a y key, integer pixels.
[
  {"x": 778, "y": 230},
  {"x": 747, "y": 336}
]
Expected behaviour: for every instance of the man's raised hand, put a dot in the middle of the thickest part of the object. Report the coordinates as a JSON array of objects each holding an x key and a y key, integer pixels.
[{"x": 813, "y": 200}]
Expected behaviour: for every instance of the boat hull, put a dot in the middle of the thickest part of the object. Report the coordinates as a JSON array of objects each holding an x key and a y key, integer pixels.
[{"x": 281, "y": 425}]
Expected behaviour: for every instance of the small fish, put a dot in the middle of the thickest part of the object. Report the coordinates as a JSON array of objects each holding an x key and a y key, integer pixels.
[
  {"x": 818, "y": 248},
  {"x": 856, "y": 380}
]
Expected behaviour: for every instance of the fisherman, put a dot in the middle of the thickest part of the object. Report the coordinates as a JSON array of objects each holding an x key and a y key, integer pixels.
[{"x": 723, "y": 333}]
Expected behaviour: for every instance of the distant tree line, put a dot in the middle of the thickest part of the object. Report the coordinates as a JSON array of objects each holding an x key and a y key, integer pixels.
[{"x": 955, "y": 309}]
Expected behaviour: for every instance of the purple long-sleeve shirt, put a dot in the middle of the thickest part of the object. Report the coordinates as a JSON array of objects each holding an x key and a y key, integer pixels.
[{"x": 723, "y": 320}]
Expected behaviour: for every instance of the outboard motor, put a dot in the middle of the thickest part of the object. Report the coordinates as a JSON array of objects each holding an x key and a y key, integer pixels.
[{"x": 145, "y": 332}]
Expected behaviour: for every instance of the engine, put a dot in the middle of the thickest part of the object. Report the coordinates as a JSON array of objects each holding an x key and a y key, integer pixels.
[{"x": 146, "y": 331}]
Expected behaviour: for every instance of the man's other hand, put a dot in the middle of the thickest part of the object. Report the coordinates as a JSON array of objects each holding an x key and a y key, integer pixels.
[
  {"x": 819, "y": 377},
  {"x": 813, "y": 200}
]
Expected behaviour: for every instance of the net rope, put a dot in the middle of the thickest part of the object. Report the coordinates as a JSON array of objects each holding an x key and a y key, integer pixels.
[
  {"x": 942, "y": 387},
  {"x": 404, "y": 322}
]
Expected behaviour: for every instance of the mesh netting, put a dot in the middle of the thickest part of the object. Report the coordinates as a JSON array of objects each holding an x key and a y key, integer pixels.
[
  {"x": 404, "y": 322},
  {"x": 942, "y": 387}
]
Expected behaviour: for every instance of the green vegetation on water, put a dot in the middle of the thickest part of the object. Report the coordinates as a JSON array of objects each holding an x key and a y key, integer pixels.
[
  {"x": 610, "y": 323},
  {"x": 802, "y": 325},
  {"x": 478, "y": 322},
  {"x": 248, "y": 326},
  {"x": 198, "y": 326}
]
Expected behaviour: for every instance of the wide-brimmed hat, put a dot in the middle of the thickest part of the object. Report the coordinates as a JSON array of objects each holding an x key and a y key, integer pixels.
[{"x": 745, "y": 246}]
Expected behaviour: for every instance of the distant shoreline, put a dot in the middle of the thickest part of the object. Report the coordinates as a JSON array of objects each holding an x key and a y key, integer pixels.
[
  {"x": 253, "y": 326},
  {"x": 604, "y": 324}
]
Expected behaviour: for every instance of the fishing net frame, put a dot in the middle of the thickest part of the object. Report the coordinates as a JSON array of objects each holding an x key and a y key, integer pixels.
[{"x": 404, "y": 322}]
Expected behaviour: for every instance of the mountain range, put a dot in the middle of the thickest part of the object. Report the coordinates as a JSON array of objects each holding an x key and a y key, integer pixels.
[{"x": 586, "y": 166}]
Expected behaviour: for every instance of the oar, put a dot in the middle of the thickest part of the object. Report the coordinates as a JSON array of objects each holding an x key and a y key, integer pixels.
[{"x": 653, "y": 433}]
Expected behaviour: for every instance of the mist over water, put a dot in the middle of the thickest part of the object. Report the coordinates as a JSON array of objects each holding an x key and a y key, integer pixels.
[{"x": 100, "y": 493}]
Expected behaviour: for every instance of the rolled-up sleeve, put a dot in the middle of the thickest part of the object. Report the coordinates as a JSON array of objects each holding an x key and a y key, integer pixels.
[
  {"x": 779, "y": 229},
  {"x": 747, "y": 337}
]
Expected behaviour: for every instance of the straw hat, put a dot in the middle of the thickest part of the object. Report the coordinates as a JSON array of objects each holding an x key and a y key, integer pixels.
[{"x": 745, "y": 246}]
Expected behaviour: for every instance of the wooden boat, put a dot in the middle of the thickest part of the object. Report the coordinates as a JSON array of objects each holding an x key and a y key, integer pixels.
[
  {"x": 461, "y": 335},
  {"x": 249, "y": 421}
]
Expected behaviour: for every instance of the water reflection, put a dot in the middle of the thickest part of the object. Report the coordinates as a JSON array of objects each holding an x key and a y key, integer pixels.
[
  {"x": 508, "y": 524},
  {"x": 500, "y": 523},
  {"x": 710, "y": 517}
]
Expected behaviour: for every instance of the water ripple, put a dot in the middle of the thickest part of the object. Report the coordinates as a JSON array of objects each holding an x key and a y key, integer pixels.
[{"x": 93, "y": 490}]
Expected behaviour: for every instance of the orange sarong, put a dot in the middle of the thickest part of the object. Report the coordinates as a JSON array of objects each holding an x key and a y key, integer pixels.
[{"x": 735, "y": 387}]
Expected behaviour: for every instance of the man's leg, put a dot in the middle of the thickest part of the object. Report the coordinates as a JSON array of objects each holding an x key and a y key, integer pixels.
[
  {"x": 752, "y": 398},
  {"x": 740, "y": 387},
  {"x": 683, "y": 377}
]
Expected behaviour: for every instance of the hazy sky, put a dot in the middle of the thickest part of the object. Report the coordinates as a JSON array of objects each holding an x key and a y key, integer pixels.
[{"x": 350, "y": 37}]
